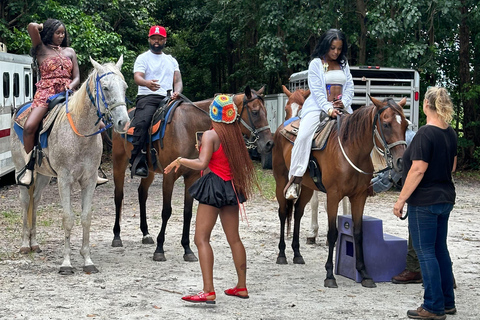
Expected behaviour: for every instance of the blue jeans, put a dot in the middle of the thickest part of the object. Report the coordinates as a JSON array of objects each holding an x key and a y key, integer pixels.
[{"x": 428, "y": 227}]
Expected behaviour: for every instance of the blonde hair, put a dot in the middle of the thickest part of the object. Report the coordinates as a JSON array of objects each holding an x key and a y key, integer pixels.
[{"x": 440, "y": 102}]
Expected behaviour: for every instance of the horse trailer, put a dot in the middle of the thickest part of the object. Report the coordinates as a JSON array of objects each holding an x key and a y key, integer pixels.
[{"x": 16, "y": 89}]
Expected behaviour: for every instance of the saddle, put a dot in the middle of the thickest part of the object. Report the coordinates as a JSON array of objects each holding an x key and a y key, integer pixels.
[
  {"x": 319, "y": 142},
  {"x": 21, "y": 115},
  {"x": 320, "y": 138},
  {"x": 160, "y": 119}
]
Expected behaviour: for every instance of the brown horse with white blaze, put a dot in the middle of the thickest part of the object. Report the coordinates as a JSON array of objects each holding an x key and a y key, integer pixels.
[
  {"x": 347, "y": 169},
  {"x": 179, "y": 141}
]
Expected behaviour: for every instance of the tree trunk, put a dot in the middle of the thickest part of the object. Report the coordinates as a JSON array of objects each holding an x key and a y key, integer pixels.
[
  {"x": 362, "y": 41},
  {"x": 470, "y": 114}
]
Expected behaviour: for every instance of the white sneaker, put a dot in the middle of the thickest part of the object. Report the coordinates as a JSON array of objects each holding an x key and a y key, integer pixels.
[{"x": 101, "y": 181}]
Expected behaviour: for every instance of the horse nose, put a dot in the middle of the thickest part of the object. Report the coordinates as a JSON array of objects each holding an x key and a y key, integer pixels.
[
  {"x": 399, "y": 165},
  {"x": 268, "y": 146},
  {"x": 124, "y": 125}
]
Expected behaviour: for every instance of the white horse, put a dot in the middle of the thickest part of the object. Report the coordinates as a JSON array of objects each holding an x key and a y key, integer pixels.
[{"x": 74, "y": 154}]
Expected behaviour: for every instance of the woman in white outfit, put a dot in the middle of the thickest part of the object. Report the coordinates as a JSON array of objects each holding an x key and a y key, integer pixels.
[{"x": 331, "y": 87}]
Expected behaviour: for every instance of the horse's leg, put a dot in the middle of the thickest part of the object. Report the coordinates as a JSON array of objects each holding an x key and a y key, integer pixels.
[
  {"x": 358, "y": 204},
  {"x": 142, "y": 199},
  {"x": 86, "y": 218},
  {"x": 300, "y": 204},
  {"x": 64, "y": 189},
  {"x": 167, "y": 186},
  {"x": 332, "y": 208},
  {"x": 29, "y": 235},
  {"x": 120, "y": 162},
  {"x": 346, "y": 206},
  {"x": 285, "y": 208},
  {"x": 313, "y": 232},
  {"x": 187, "y": 219}
]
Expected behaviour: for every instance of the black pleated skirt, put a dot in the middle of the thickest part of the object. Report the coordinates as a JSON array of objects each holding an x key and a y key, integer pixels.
[{"x": 212, "y": 190}]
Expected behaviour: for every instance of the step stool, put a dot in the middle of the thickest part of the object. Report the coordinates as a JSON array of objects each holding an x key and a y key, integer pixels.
[{"x": 384, "y": 254}]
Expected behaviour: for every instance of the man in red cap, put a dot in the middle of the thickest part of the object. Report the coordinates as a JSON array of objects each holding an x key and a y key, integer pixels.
[{"x": 157, "y": 75}]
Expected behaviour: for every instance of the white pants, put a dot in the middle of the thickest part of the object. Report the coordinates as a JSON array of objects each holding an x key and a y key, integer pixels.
[{"x": 303, "y": 144}]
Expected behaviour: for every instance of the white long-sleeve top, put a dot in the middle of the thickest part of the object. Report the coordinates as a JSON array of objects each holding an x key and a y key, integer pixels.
[{"x": 318, "y": 89}]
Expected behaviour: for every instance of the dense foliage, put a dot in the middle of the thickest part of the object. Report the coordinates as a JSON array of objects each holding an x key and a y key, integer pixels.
[{"x": 223, "y": 45}]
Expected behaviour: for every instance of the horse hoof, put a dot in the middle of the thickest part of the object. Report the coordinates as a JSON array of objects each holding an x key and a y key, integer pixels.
[
  {"x": 330, "y": 283},
  {"x": 117, "y": 243},
  {"x": 66, "y": 271},
  {"x": 148, "y": 240},
  {"x": 368, "y": 283},
  {"x": 159, "y": 256},
  {"x": 36, "y": 249},
  {"x": 90, "y": 269},
  {"x": 25, "y": 250},
  {"x": 190, "y": 257},
  {"x": 311, "y": 240},
  {"x": 298, "y": 260},
  {"x": 282, "y": 260}
]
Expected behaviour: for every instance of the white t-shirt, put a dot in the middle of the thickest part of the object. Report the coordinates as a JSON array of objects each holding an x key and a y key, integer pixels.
[{"x": 159, "y": 67}]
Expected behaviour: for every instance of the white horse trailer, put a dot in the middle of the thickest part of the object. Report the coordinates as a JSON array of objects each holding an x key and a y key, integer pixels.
[{"x": 15, "y": 90}]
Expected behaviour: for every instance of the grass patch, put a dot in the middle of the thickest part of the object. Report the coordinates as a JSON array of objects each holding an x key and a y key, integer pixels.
[
  {"x": 10, "y": 218},
  {"x": 265, "y": 181},
  {"x": 473, "y": 175}
]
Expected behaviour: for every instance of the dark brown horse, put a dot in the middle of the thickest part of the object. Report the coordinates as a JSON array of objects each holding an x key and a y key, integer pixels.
[
  {"x": 179, "y": 141},
  {"x": 347, "y": 169}
]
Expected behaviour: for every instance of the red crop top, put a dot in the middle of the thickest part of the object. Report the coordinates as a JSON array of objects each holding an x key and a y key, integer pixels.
[{"x": 219, "y": 164}]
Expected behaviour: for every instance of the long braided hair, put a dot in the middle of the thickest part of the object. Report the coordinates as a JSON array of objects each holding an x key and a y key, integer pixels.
[
  {"x": 243, "y": 172},
  {"x": 49, "y": 28}
]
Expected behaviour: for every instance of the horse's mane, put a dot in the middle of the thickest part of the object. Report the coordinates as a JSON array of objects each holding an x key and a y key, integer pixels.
[
  {"x": 361, "y": 120},
  {"x": 77, "y": 100}
]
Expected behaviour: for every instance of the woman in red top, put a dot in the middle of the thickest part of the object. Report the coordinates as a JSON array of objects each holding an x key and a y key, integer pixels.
[
  {"x": 220, "y": 192},
  {"x": 59, "y": 71}
]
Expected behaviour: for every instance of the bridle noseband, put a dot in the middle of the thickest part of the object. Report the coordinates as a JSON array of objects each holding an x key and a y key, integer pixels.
[{"x": 251, "y": 142}]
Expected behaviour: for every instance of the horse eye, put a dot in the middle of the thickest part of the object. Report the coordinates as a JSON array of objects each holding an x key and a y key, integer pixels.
[
  {"x": 386, "y": 125},
  {"x": 255, "y": 112}
]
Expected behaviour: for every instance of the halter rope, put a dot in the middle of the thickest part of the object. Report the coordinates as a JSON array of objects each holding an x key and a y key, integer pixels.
[{"x": 250, "y": 143}]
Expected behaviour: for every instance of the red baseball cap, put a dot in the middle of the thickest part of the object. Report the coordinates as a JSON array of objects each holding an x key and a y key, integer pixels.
[{"x": 157, "y": 30}]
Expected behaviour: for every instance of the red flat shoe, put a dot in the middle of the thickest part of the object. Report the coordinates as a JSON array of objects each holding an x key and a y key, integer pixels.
[
  {"x": 235, "y": 292},
  {"x": 200, "y": 297}
]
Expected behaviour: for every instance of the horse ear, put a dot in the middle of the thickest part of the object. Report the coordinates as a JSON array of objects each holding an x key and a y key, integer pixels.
[
  {"x": 376, "y": 102},
  {"x": 286, "y": 91},
  {"x": 119, "y": 63},
  {"x": 403, "y": 102},
  {"x": 260, "y": 92},
  {"x": 95, "y": 64},
  {"x": 306, "y": 93},
  {"x": 248, "y": 92}
]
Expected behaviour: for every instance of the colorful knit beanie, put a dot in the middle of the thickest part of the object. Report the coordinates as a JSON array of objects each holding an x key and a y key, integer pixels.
[{"x": 223, "y": 109}]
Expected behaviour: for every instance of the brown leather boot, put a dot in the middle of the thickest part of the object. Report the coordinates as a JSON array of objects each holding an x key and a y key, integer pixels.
[
  {"x": 421, "y": 313},
  {"x": 407, "y": 276}
]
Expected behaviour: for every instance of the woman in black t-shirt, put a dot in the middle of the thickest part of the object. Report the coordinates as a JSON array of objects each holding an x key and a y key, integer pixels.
[{"x": 430, "y": 194}]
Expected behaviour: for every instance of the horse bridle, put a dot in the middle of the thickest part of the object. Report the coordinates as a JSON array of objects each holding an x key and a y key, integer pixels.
[
  {"x": 254, "y": 132},
  {"x": 386, "y": 147},
  {"x": 105, "y": 117}
]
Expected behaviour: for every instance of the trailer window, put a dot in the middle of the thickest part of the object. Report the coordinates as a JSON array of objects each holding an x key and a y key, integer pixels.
[
  {"x": 16, "y": 85},
  {"x": 27, "y": 85},
  {"x": 6, "y": 85}
]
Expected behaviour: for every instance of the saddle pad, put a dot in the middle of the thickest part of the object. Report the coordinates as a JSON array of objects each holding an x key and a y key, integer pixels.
[
  {"x": 320, "y": 138},
  {"x": 159, "y": 123},
  {"x": 48, "y": 121}
]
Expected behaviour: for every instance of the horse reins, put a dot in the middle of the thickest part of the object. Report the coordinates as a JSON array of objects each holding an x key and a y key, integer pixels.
[
  {"x": 95, "y": 102},
  {"x": 251, "y": 143},
  {"x": 385, "y": 153}
]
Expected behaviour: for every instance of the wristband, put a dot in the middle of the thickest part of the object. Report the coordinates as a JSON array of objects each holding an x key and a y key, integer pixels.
[
  {"x": 178, "y": 161},
  {"x": 330, "y": 111}
]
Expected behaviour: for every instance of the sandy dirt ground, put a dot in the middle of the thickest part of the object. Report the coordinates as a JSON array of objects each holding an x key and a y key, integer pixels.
[{"x": 130, "y": 285}]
